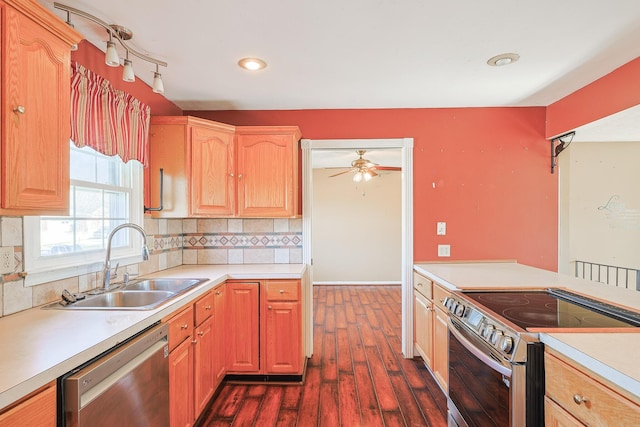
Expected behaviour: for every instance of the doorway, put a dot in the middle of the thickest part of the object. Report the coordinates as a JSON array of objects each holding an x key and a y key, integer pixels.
[{"x": 405, "y": 145}]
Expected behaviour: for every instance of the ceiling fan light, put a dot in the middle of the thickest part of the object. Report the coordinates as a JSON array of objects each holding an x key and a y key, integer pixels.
[
  {"x": 357, "y": 177},
  {"x": 367, "y": 175}
]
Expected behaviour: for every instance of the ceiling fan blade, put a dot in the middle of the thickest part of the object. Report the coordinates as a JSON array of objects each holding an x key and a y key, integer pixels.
[
  {"x": 388, "y": 168},
  {"x": 341, "y": 173}
]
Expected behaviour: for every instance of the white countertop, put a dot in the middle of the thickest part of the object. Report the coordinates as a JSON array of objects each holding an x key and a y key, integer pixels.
[
  {"x": 612, "y": 355},
  {"x": 41, "y": 345}
]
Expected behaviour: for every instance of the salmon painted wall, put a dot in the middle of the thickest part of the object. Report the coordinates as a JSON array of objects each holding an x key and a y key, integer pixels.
[
  {"x": 93, "y": 58},
  {"x": 608, "y": 95},
  {"x": 485, "y": 171}
]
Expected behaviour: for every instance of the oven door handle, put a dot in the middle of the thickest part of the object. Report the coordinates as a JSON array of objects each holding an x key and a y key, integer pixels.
[{"x": 481, "y": 355}]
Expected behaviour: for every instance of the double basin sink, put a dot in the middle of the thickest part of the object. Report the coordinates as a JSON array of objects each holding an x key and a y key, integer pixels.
[{"x": 145, "y": 294}]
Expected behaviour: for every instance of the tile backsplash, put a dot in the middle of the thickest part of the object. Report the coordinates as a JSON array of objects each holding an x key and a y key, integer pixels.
[{"x": 172, "y": 242}]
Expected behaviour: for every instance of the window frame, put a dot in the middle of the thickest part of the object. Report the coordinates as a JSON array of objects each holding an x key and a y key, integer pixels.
[{"x": 41, "y": 269}]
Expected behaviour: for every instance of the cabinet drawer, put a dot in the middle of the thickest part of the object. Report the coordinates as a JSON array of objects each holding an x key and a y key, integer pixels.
[
  {"x": 180, "y": 327},
  {"x": 423, "y": 285},
  {"x": 439, "y": 294},
  {"x": 587, "y": 399},
  {"x": 203, "y": 308},
  {"x": 283, "y": 290}
]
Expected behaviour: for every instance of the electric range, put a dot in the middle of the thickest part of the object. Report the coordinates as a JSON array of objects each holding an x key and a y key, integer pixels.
[{"x": 496, "y": 360}]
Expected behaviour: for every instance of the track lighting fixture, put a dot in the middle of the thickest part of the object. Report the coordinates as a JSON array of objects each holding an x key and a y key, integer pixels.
[
  {"x": 127, "y": 72},
  {"x": 121, "y": 34},
  {"x": 158, "y": 86}
]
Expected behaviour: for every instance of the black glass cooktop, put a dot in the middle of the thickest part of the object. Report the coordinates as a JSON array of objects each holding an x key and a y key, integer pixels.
[{"x": 554, "y": 308}]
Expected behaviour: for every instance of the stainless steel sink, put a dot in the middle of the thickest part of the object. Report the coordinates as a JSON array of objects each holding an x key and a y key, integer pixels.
[
  {"x": 145, "y": 294},
  {"x": 121, "y": 300},
  {"x": 171, "y": 285}
]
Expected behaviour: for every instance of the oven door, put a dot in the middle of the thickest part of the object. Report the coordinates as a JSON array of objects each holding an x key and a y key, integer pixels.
[{"x": 479, "y": 381}]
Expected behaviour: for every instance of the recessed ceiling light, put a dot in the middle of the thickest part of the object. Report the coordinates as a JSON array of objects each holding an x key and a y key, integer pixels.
[
  {"x": 252, "y": 64},
  {"x": 503, "y": 59}
]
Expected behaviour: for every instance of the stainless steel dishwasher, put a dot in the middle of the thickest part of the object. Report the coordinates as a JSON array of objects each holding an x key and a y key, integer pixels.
[{"x": 126, "y": 386}]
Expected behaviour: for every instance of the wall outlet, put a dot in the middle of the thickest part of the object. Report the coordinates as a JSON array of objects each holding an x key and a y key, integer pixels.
[
  {"x": 441, "y": 229},
  {"x": 444, "y": 250},
  {"x": 7, "y": 263}
]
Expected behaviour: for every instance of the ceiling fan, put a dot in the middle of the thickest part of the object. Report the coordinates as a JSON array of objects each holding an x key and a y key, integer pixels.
[{"x": 364, "y": 169}]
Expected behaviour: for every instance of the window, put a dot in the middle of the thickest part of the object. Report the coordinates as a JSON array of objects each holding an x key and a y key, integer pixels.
[{"x": 104, "y": 193}]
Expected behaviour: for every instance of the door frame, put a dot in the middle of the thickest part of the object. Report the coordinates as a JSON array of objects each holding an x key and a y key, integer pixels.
[{"x": 406, "y": 146}]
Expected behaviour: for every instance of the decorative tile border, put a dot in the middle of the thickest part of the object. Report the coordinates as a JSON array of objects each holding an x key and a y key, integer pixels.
[
  {"x": 275, "y": 240},
  {"x": 165, "y": 242}
]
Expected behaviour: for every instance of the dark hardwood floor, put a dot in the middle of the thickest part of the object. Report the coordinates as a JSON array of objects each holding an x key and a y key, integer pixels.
[{"x": 356, "y": 377}]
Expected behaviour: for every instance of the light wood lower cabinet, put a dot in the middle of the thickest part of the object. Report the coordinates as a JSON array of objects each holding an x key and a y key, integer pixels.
[
  {"x": 264, "y": 327},
  {"x": 191, "y": 354},
  {"x": 243, "y": 327},
  {"x": 423, "y": 330},
  {"x": 440, "y": 338},
  {"x": 431, "y": 333},
  {"x": 282, "y": 331},
  {"x": 36, "y": 409},
  {"x": 576, "y": 396},
  {"x": 219, "y": 334}
]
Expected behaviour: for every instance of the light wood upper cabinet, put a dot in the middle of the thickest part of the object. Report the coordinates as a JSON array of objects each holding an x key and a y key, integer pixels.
[
  {"x": 216, "y": 170},
  {"x": 213, "y": 182},
  {"x": 195, "y": 156},
  {"x": 267, "y": 171},
  {"x": 35, "y": 124}
]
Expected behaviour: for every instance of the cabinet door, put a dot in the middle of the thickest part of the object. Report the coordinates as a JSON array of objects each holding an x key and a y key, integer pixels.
[
  {"x": 441, "y": 348},
  {"x": 555, "y": 416},
  {"x": 283, "y": 343},
  {"x": 423, "y": 327},
  {"x": 267, "y": 175},
  {"x": 203, "y": 365},
  {"x": 38, "y": 409},
  {"x": 181, "y": 385},
  {"x": 213, "y": 189},
  {"x": 242, "y": 327},
  {"x": 35, "y": 117},
  {"x": 219, "y": 345}
]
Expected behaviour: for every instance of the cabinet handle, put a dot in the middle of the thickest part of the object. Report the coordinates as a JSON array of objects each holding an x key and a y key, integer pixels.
[
  {"x": 579, "y": 399},
  {"x": 281, "y": 291},
  {"x": 218, "y": 292},
  {"x": 419, "y": 283},
  {"x": 194, "y": 342},
  {"x": 269, "y": 307},
  {"x": 185, "y": 326},
  {"x": 200, "y": 333},
  {"x": 208, "y": 308},
  {"x": 19, "y": 109},
  {"x": 239, "y": 176},
  {"x": 231, "y": 175}
]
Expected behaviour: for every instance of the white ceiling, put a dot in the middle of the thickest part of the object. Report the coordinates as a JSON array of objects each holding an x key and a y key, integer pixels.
[{"x": 371, "y": 53}]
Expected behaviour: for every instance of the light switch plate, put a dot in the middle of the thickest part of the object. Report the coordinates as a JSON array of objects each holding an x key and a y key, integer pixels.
[
  {"x": 444, "y": 250},
  {"x": 7, "y": 263},
  {"x": 441, "y": 229}
]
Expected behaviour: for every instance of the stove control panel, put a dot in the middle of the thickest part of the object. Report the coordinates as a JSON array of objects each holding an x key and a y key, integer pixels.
[{"x": 489, "y": 329}]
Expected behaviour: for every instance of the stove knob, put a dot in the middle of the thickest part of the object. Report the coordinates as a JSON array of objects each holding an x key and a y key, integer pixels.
[
  {"x": 488, "y": 330},
  {"x": 507, "y": 344},
  {"x": 459, "y": 311},
  {"x": 447, "y": 302},
  {"x": 495, "y": 337},
  {"x": 452, "y": 306}
]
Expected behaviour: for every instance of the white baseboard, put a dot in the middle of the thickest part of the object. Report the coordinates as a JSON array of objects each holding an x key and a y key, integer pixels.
[{"x": 358, "y": 283}]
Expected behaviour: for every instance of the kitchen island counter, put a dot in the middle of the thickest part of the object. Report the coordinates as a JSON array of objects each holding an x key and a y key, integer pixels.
[
  {"x": 610, "y": 355},
  {"x": 40, "y": 345}
]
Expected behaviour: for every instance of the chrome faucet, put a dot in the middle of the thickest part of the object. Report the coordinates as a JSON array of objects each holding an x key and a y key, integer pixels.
[{"x": 106, "y": 273}]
